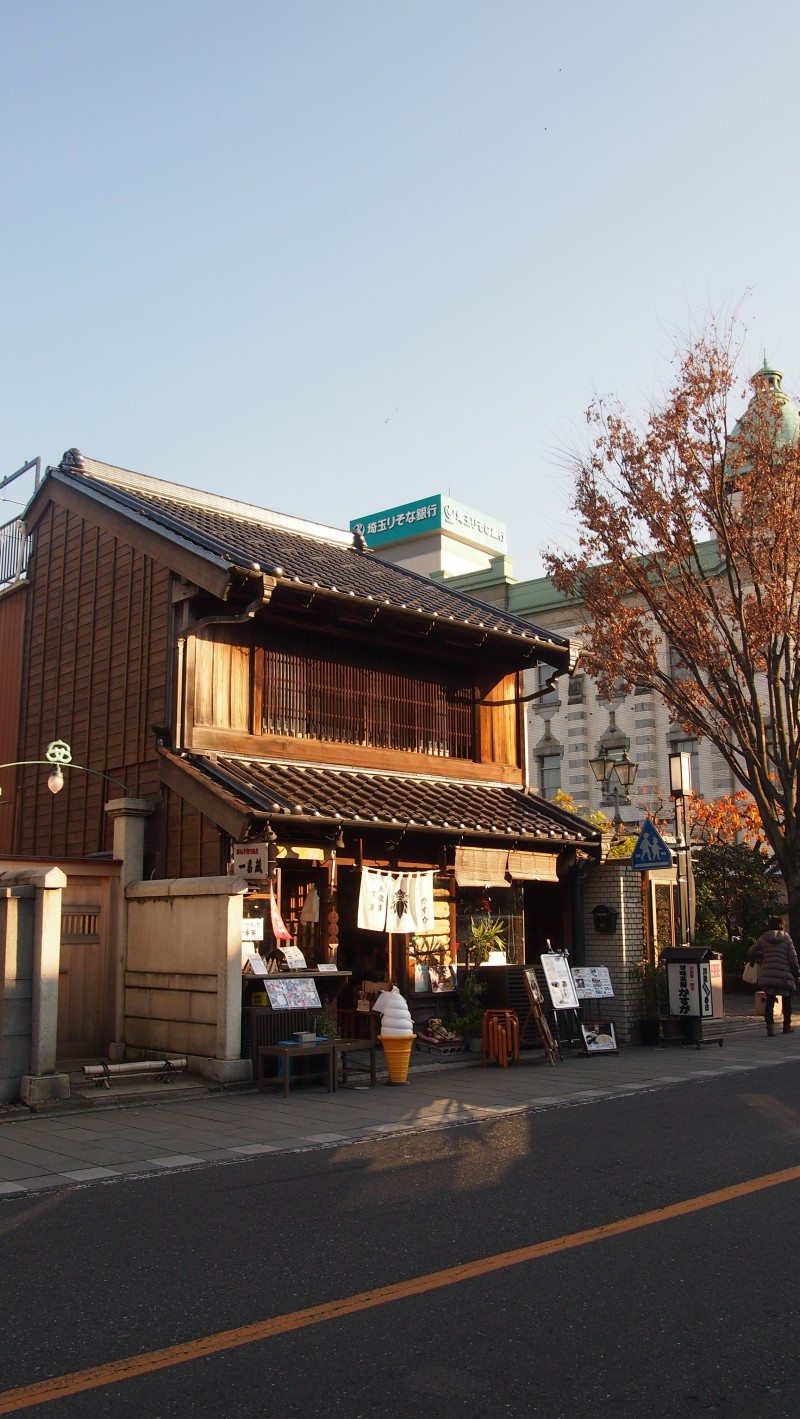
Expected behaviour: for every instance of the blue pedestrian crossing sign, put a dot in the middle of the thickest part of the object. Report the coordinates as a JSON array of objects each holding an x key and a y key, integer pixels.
[{"x": 650, "y": 851}]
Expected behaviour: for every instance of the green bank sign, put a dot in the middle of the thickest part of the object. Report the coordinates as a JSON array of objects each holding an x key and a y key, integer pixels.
[{"x": 436, "y": 514}]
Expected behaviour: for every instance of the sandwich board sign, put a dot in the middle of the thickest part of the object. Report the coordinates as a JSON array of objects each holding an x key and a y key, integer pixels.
[{"x": 650, "y": 851}]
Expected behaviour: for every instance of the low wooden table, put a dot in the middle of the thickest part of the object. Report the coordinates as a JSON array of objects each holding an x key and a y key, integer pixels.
[
  {"x": 288, "y": 1052},
  {"x": 342, "y": 1048}
]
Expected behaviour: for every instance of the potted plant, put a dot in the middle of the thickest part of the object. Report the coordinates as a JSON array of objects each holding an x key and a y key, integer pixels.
[
  {"x": 467, "y": 1018},
  {"x": 486, "y": 938},
  {"x": 326, "y": 1023},
  {"x": 652, "y": 982}
]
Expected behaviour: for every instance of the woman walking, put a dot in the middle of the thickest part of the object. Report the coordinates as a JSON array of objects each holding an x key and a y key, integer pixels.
[{"x": 778, "y": 971}]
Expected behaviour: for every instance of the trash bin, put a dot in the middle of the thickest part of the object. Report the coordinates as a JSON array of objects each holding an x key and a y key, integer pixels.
[{"x": 694, "y": 983}]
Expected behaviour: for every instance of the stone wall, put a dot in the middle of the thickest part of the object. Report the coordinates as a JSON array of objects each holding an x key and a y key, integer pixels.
[
  {"x": 16, "y": 988},
  {"x": 183, "y": 989}
]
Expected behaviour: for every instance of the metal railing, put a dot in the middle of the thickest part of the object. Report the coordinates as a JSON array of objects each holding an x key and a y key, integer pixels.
[{"x": 15, "y": 550}]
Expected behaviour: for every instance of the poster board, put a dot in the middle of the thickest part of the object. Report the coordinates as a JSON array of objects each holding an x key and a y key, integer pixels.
[
  {"x": 536, "y": 1017},
  {"x": 560, "y": 984},
  {"x": 532, "y": 986},
  {"x": 600, "y": 1037},
  {"x": 592, "y": 983},
  {"x": 293, "y": 994}
]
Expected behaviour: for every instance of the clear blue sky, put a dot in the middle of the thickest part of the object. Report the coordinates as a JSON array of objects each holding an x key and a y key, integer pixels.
[{"x": 332, "y": 255}]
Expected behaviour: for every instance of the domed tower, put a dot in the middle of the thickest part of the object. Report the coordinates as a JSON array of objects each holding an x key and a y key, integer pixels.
[{"x": 770, "y": 412}]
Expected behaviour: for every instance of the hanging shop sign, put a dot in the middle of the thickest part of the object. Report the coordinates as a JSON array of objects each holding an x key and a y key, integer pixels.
[
  {"x": 400, "y": 902},
  {"x": 251, "y": 860},
  {"x": 253, "y": 928}
]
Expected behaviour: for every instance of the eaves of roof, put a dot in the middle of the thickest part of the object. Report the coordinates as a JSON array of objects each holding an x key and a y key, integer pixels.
[
  {"x": 296, "y": 555},
  {"x": 248, "y": 790}
]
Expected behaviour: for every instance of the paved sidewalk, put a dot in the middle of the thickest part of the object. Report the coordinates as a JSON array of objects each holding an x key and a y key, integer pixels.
[{"x": 94, "y": 1142}]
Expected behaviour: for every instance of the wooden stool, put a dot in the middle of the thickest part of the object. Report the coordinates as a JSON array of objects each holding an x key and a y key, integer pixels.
[{"x": 500, "y": 1037}]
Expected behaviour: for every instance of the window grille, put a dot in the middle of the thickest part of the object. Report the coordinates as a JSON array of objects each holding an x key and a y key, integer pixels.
[{"x": 343, "y": 694}]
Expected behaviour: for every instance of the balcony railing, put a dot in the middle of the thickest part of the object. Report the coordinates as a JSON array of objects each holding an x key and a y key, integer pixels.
[{"x": 15, "y": 550}]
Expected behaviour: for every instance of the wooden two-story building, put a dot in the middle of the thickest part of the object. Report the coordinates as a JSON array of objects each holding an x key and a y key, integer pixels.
[{"x": 262, "y": 679}]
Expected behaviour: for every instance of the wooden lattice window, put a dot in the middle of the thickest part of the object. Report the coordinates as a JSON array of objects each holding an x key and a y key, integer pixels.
[{"x": 314, "y": 689}]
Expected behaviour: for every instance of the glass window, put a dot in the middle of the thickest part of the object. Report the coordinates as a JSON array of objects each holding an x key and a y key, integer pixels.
[
  {"x": 551, "y": 696},
  {"x": 503, "y": 904},
  {"x": 549, "y": 775},
  {"x": 576, "y": 692}
]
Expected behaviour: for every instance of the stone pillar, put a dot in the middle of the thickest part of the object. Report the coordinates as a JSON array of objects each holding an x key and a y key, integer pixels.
[
  {"x": 43, "y": 1083},
  {"x": 128, "y": 815}
]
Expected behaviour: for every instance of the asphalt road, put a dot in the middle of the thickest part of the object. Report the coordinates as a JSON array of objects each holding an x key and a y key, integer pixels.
[{"x": 692, "y": 1313}]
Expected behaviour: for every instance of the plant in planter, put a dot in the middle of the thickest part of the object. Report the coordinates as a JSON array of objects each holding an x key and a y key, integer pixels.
[
  {"x": 326, "y": 1023},
  {"x": 467, "y": 1018},
  {"x": 652, "y": 982},
  {"x": 486, "y": 936}
]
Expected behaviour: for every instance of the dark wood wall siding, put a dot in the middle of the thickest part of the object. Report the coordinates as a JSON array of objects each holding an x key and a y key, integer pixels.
[
  {"x": 97, "y": 671},
  {"x": 498, "y": 723},
  {"x": 12, "y": 626},
  {"x": 313, "y": 688},
  {"x": 193, "y": 843}
]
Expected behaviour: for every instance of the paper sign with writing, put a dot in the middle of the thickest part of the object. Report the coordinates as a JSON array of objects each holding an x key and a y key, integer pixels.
[
  {"x": 592, "y": 983},
  {"x": 294, "y": 958},
  {"x": 560, "y": 984}
]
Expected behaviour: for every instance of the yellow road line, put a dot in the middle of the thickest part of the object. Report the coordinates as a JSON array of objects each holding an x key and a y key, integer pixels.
[{"x": 79, "y": 1381}]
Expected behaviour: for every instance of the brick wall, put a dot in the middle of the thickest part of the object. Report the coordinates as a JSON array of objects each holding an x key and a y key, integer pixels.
[{"x": 615, "y": 885}]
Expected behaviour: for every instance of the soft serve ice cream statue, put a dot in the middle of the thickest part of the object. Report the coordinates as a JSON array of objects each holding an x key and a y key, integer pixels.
[{"x": 397, "y": 1033}]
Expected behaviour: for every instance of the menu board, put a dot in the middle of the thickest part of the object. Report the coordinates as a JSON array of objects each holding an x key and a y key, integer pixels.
[
  {"x": 592, "y": 983},
  {"x": 296, "y": 994},
  {"x": 559, "y": 982}
]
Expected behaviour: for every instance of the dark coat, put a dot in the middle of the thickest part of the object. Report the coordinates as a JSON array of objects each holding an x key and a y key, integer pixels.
[{"x": 778, "y": 968}]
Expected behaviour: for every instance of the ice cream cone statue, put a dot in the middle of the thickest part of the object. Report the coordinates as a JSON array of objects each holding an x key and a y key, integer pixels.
[{"x": 397, "y": 1033}]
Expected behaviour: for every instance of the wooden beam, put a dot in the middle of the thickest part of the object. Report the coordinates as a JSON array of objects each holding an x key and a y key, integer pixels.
[
  {"x": 213, "y": 801},
  {"x": 204, "y": 740}
]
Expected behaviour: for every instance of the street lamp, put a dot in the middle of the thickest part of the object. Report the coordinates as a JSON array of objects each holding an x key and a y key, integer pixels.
[
  {"x": 58, "y": 756},
  {"x": 624, "y": 770},
  {"x": 680, "y": 787}
]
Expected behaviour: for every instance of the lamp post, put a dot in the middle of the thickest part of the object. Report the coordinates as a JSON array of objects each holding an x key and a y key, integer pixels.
[
  {"x": 624, "y": 770},
  {"x": 58, "y": 756},
  {"x": 680, "y": 786}
]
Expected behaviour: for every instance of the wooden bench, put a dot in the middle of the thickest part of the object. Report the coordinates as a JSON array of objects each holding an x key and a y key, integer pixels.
[
  {"x": 344, "y": 1048},
  {"x": 288, "y": 1052}
]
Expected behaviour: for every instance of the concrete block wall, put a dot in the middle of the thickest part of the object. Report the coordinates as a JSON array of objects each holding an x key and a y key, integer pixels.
[
  {"x": 614, "y": 884},
  {"x": 183, "y": 991}
]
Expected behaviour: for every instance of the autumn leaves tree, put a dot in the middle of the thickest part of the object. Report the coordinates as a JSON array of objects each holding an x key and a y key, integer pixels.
[
  {"x": 734, "y": 874},
  {"x": 688, "y": 566}
]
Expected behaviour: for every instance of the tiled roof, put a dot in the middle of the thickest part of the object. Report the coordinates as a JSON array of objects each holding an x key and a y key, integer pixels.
[
  {"x": 356, "y": 798},
  {"x": 293, "y": 551}
]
